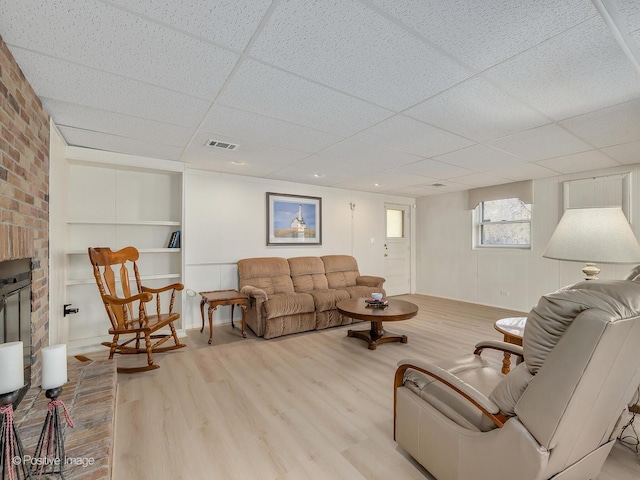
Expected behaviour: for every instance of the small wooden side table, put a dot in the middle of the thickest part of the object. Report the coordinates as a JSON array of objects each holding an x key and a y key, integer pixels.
[
  {"x": 217, "y": 298},
  {"x": 512, "y": 329}
]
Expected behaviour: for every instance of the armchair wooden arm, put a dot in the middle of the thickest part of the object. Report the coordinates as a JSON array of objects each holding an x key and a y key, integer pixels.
[
  {"x": 174, "y": 286},
  {"x": 157, "y": 291},
  {"x": 479, "y": 400},
  {"x": 145, "y": 297},
  {"x": 501, "y": 346}
]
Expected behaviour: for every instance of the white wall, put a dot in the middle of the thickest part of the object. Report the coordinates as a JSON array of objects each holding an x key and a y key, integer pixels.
[
  {"x": 58, "y": 183},
  {"x": 448, "y": 266},
  {"x": 225, "y": 220}
]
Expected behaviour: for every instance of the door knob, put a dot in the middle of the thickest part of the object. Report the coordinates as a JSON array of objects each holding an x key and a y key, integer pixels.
[{"x": 386, "y": 254}]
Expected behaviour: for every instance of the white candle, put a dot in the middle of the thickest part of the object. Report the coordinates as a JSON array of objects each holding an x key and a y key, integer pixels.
[
  {"x": 11, "y": 367},
  {"x": 54, "y": 366}
]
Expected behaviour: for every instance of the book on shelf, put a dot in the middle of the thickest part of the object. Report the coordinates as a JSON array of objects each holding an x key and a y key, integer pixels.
[{"x": 174, "y": 241}]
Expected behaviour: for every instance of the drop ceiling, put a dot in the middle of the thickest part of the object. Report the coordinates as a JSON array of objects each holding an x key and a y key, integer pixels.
[{"x": 389, "y": 96}]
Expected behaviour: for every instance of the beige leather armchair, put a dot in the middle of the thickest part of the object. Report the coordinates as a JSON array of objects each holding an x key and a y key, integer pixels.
[{"x": 556, "y": 415}]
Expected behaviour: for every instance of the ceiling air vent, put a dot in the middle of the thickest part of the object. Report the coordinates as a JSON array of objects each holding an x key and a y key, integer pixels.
[
  {"x": 224, "y": 145},
  {"x": 437, "y": 185}
]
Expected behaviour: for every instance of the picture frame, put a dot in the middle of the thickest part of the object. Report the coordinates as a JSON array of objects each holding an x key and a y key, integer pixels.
[{"x": 293, "y": 219}]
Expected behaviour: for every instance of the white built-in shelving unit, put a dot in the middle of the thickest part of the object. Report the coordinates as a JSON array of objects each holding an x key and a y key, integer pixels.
[{"x": 116, "y": 201}]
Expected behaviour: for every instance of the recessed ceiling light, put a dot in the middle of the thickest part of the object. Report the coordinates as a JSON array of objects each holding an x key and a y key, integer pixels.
[
  {"x": 437, "y": 185},
  {"x": 237, "y": 162},
  {"x": 319, "y": 175},
  {"x": 376, "y": 184}
]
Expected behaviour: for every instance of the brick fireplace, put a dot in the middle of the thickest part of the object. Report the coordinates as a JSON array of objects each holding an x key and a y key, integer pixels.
[
  {"x": 24, "y": 191},
  {"x": 24, "y": 234}
]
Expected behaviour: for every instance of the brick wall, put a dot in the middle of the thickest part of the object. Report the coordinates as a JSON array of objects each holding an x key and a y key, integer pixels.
[{"x": 24, "y": 189}]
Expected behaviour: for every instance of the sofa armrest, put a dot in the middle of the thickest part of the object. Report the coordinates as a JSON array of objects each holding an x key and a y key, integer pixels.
[
  {"x": 370, "y": 281},
  {"x": 477, "y": 398},
  {"x": 254, "y": 292}
]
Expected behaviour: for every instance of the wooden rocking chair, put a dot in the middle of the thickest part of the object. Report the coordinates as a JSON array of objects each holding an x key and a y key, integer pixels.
[{"x": 122, "y": 309}]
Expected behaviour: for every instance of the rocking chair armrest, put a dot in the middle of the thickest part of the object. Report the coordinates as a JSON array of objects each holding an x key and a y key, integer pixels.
[
  {"x": 474, "y": 396},
  {"x": 498, "y": 345},
  {"x": 173, "y": 286},
  {"x": 145, "y": 297}
]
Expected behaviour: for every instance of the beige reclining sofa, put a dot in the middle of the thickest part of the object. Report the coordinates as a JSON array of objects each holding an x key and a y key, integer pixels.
[{"x": 300, "y": 294}]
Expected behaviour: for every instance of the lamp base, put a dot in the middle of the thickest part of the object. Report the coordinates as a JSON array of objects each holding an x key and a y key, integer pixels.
[{"x": 591, "y": 271}]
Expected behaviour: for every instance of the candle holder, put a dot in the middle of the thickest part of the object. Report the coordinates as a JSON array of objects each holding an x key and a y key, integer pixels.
[
  {"x": 49, "y": 453},
  {"x": 12, "y": 461}
]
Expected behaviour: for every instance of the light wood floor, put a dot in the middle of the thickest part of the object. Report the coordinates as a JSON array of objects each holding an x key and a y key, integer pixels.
[{"x": 316, "y": 405}]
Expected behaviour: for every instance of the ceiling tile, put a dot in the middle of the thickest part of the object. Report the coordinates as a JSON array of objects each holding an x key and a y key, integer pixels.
[
  {"x": 248, "y": 157},
  {"x": 478, "y": 110},
  {"x": 484, "y": 33},
  {"x": 609, "y": 126},
  {"x": 67, "y": 82},
  {"x": 433, "y": 169},
  {"x": 626, "y": 153},
  {"x": 578, "y": 71},
  {"x": 305, "y": 174},
  {"x": 540, "y": 143},
  {"x": 350, "y": 47},
  {"x": 367, "y": 183},
  {"x": 333, "y": 166},
  {"x": 411, "y": 192},
  {"x": 630, "y": 12},
  {"x": 240, "y": 124},
  {"x": 262, "y": 89},
  {"x": 119, "y": 42},
  {"x": 86, "y": 118},
  {"x": 480, "y": 158},
  {"x": 481, "y": 180},
  {"x": 229, "y": 22},
  {"x": 525, "y": 171},
  {"x": 411, "y": 136},
  {"x": 369, "y": 156},
  {"x": 446, "y": 186},
  {"x": 385, "y": 181},
  {"x": 113, "y": 143},
  {"x": 579, "y": 162}
]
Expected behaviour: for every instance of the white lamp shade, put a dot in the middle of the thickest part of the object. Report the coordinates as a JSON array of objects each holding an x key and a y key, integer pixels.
[
  {"x": 54, "y": 366},
  {"x": 597, "y": 235},
  {"x": 11, "y": 367}
]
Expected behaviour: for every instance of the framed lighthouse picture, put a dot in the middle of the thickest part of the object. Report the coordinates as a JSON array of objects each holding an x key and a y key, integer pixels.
[{"x": 293, "y": 219}]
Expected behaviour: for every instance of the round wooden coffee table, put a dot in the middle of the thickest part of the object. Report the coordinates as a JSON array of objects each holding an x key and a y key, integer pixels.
[{"x": 395, "y": 311}]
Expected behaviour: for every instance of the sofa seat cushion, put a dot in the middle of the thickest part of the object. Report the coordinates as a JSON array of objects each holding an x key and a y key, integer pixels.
[
  {"x": 327, "y": 299},
  {"x": 281, "y": 304}
]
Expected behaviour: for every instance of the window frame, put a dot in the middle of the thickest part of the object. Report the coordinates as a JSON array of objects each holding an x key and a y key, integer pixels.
[{"x": 479, "y": 224}]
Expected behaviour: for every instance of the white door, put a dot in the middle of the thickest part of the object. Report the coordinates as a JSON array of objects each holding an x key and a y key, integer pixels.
[{"x": 397, "y": 250}]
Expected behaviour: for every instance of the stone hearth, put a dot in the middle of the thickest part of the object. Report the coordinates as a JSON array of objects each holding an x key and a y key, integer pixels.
[{"x": 90, "y": 396}]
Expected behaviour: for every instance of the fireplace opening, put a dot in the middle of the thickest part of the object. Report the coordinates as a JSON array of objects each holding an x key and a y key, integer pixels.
[{"x": 15, "y": 311}]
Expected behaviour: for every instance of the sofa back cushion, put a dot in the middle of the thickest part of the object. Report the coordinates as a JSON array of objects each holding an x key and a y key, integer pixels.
[
  {"x": 307, "y": 274},
  {"x": 341, "y": 270},
  {"x": 271, "y": 274}
]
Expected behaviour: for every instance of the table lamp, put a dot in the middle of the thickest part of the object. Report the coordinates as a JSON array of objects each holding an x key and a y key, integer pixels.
[{"x": 593, "y": 235}]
